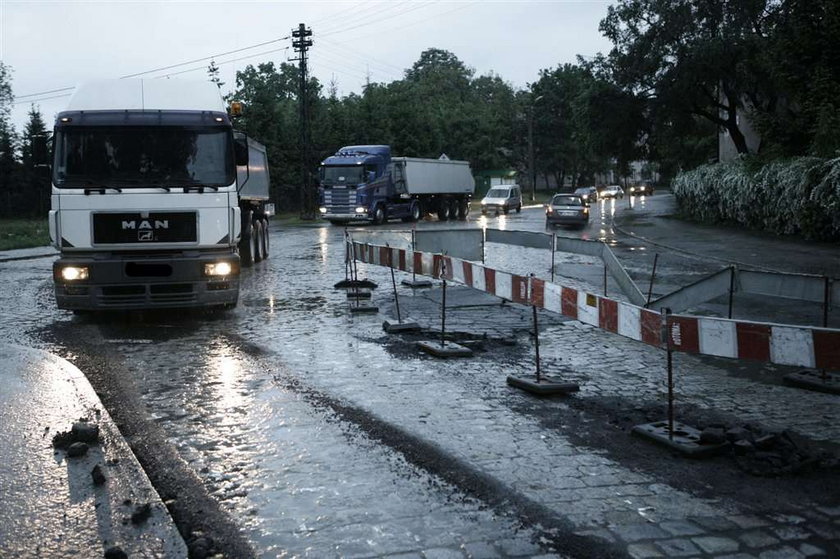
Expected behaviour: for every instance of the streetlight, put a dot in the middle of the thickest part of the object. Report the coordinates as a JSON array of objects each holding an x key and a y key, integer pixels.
[{"x": 531, "y": 165}]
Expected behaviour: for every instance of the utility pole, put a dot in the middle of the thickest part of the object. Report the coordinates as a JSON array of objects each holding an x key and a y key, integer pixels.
[{"x": 307, "y": 196}]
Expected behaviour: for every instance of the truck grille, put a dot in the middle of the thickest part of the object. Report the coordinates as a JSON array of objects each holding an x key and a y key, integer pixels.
[
  {"x": 147, "y": 295},
  {"x": 340, "y": 201}
]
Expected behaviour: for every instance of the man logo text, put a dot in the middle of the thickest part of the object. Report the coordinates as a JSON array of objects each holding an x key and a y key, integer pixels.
[{"x": 146, "y": 224}]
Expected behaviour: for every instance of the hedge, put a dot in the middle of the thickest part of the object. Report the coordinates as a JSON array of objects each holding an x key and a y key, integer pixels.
[{"x": 790, "y": 197}]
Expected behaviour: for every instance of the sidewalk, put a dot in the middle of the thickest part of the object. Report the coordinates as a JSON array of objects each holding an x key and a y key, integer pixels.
[
  {"x": 27, "y": 253},
  {"x": 52, "y": 505}
]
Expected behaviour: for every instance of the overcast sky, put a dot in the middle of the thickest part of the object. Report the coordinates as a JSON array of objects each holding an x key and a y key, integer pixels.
[{"x": 52, "y": 45}]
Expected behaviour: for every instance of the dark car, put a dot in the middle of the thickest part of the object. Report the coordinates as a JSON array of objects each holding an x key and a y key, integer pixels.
[
  {"x": 589, "y": 194},
  {"x": 644, "y": 188},
  {"x": 566, "y": 209}
]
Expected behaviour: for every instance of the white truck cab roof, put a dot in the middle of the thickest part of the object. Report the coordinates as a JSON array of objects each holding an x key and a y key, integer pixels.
[{"x": 147, "y": 95}]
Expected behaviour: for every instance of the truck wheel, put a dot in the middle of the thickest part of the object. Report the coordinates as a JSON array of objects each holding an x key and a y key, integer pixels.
[
  {"x": 519, "y": 208},
  {"x": 443, "y": 210},
  {"x": 506, "y": 210},
  {"x": 265, "y": 244},
  {"x": 379, "y": 216},
  {"x": 246, "y": 251},
  {"x": 453, "y": 209},
  {"x": 463, "y": 209},
  {"x": 256, "y": 240}
]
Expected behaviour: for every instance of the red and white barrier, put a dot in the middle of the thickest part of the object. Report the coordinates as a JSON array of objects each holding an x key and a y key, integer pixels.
[{"x": 776, "y": 343}]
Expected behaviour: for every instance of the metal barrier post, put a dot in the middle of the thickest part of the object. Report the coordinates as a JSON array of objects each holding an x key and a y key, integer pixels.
[
  {"x": 826, "y": 297},
  {"x": 731, "y": 288},
  {"x": 553, "y": 251},
  {"x": 443, "y": 305},
  {"x": 670, "y": 366},
  {"x": 652, "y": 276}
]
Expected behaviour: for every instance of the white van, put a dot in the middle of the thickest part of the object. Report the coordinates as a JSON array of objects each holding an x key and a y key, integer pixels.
[{"x": 504, "y": 197}]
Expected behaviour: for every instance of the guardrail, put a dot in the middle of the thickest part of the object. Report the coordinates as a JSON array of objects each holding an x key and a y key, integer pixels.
[{"x": 774, "y": 343}]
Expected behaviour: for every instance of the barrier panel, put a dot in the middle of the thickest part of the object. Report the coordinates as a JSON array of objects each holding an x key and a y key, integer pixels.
[
  {"x": 460, "y": 243},
  {"x": 775, "y": 343}
]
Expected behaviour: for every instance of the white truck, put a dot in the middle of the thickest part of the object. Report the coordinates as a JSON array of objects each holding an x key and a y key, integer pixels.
[
  {"x": 156, "y": 201},
  {"x": 364, "y": 183}
]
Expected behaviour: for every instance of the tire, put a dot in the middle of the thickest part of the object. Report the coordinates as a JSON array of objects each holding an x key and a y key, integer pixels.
[
  {"x": 379, "y": 216},
  {"x": 256, "y": 241},
  {"x": 519, "y": 208},
  {"x": 246, "y": 250},
  {"x": 506, "y": 210},
  {"x": 453, "y": 209},
  {"x": 463, "y": 209},
  {"x": 443, "y": 210},
  {"x": 266, "y": 244},
  {"x": 413, "y": 213}
]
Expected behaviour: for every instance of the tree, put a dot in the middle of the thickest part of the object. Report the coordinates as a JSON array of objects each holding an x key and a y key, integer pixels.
[
  {"x": 693, "y": 56},
  {"x": 9, "y": 170},
  {"x": 213, "y": 72},
  {"x": 35, "y": 186}
]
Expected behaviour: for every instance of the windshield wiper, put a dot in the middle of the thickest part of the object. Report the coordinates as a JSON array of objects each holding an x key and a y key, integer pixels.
[{"x": 101, "y": 189}]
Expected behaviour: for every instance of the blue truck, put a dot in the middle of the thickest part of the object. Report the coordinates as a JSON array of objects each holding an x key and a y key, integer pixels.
[{"x": 365, "y": 183}]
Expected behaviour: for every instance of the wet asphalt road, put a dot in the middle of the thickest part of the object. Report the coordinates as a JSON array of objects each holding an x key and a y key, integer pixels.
[{"x": 284, "y": 411}]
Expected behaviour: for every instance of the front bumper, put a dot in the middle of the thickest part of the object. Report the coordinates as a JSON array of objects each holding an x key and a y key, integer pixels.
[
  {"x": 126, "y": 281},
  {"x": 345, "y": 217}
]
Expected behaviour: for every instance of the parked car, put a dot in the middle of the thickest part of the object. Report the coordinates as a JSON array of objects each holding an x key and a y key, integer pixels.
[
  {"x": 566, "y": 209},
  {"x": 643, "y": 188},
  {"x": 504, "y": 197},
  {"x": 588, "y": 193},
  {"x": 612, "y": 191}
]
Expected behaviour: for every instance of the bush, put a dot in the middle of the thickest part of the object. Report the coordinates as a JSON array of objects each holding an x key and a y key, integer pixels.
[{"x": 798, "y": 196}]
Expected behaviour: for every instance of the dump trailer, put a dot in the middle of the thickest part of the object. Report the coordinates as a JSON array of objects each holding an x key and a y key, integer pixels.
[
  {"x": 364, "y": 183},
  {"x": 156, "y": 201}
]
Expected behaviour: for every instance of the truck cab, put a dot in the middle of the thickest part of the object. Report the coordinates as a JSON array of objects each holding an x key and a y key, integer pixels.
[
  {"x": 355, "y": 184},
  {"x": 145, "y": 207}
]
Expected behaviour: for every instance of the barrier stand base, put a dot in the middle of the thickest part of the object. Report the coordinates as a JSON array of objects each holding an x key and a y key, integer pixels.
[
  {"x": 449, "y": 350},
  {"x": 417, "y": 283},
  {"x": 686, "y": 438},
  {"x": 546, "y": 386},
  {"x": 395, "y": 327},
  {"x": 364, "y": 309},
  {"x": 358, "y": 294},
  {"x": 813, "y": 380},
  {"x": 350, "y": 284}
]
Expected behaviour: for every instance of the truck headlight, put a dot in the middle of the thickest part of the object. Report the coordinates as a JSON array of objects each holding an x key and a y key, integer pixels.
[
  {"x": 361, "y": 210},
  {"x": 74, "y": 273},
  {"x": 322, "y": 209},
  {"x": 218, "y": 269}
]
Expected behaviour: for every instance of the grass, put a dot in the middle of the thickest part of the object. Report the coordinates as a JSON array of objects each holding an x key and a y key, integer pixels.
[{"x": 23, "y": 233}]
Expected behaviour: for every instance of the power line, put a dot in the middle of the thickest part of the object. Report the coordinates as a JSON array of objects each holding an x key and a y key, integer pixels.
[
  {"x": 204, "y": 58},
  {"x": 404, "y": 12},
  {"x": 392, "y": 29},
  {"x": 43, "y": 92},
  {"x": 344, "y": 52},
  {"x": 33, "y": 101},
  {"x": 223, "y": 62},
  {"x": 360, "y": 16},
  {"x": 338, "y": 13}
]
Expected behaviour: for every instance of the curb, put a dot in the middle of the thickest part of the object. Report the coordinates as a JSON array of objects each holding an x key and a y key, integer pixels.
[{"x": 53, "y": 503}]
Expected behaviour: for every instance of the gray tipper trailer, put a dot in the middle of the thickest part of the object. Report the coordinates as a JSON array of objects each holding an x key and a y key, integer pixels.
[{"x": 442, "y": 186}]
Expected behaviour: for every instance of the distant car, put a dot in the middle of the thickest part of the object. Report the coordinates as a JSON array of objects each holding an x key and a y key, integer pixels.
[
  {"x": 588, "y": 193},
  {"x": 644, "y": 188},
  {"x": 612, "y": 191},
  {"x": 504, "y": 197},
  {"x": 566, "y": 209}
]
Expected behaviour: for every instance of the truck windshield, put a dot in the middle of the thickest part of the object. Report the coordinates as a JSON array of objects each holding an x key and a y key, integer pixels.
[
  {"x": 142, "y": 155},
  {"x": 349, "y": 174}
]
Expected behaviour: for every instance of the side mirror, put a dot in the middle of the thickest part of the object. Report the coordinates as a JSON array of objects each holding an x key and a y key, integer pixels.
[
  {"x": 240, "y": 147},
  {"x": 370, "y": 176},
  {"x": 40, "y": 151}
]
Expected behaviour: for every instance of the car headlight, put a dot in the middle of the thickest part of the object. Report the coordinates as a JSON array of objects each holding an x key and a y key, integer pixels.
[
  {"x": 322, "y": 209},
  {"x": 361, "y": 210},
  {"x": 632, "y": 189},
  {"x": 216, "y": 269},
  {"x": 74, "y": 273}
]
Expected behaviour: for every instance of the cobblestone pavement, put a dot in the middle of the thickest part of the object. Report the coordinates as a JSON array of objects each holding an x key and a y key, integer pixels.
[{"x": 324, "y": 436}]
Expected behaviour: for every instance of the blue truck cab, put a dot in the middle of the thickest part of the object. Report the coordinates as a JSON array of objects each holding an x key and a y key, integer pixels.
[{"x": 356, "y": 185}]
